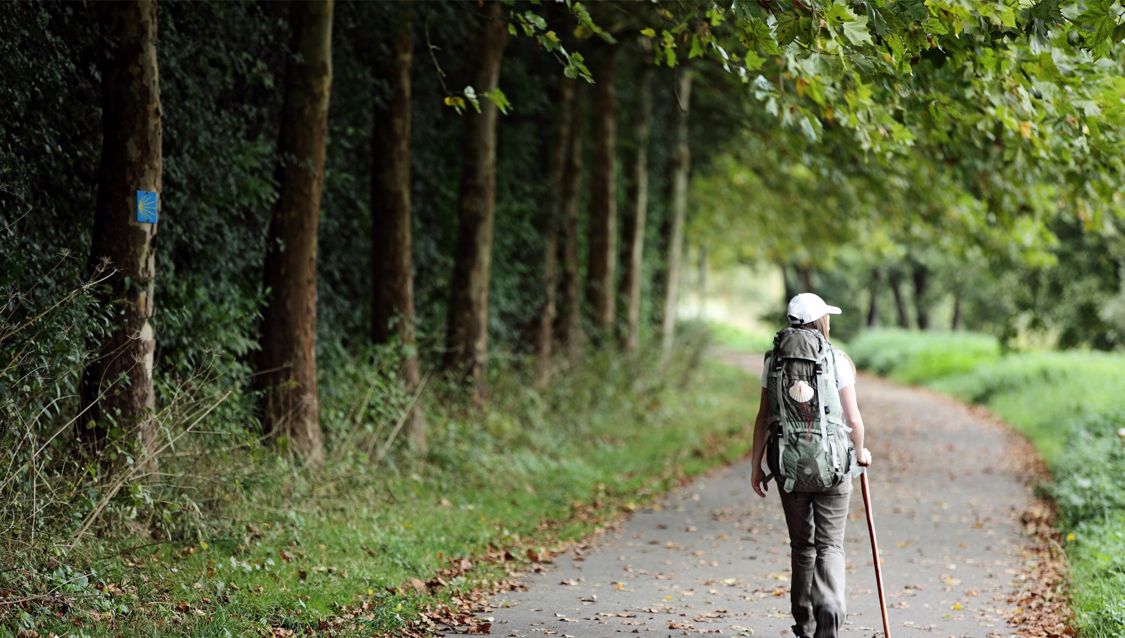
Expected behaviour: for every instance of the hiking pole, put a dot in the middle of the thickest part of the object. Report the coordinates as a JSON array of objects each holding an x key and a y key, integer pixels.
[{"x": 875, "y": 553}]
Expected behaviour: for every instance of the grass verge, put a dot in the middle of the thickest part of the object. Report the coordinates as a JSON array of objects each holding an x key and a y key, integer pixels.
[
  {"x": 360, "y": 549},
  {"x": 1071, "y": 405}
]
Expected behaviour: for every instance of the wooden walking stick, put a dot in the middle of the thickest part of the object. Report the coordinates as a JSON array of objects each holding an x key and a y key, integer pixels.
[{"x": 875, "y": 553}]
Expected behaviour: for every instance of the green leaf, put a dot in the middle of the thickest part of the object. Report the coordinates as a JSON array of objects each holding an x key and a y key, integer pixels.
[
  {"x": 856, "y": 31},
  {"x": 648, "y": 32}
]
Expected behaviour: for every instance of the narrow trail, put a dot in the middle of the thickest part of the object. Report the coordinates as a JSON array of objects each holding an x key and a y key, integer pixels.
[{"x": 713, "y": 559}]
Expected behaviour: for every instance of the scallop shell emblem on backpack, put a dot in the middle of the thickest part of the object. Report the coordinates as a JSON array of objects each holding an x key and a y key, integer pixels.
[{"x": 801, "y": 392}]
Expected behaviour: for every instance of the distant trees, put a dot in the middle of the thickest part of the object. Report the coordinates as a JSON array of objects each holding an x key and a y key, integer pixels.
[
  {"x": 287, "y": 363},
  {"x": 467, "y": 329},
  {"x": 117, "y": 385}
]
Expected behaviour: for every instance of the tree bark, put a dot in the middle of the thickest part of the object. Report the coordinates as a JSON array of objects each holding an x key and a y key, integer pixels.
[
  {"x": 901, "y": 313},
  {"x": 921, "y": 277},
  {"x": 602, "y": 237},
  {"x": 287, "y": 365},
  {"x": 955, "y": 324},
  {"x": 556, "y": 168},
  {"x": 467, "y": 330},
  {"x": 634, "y": 221},
  {"x": 873, "y": 302},
  {"x": 392, "y": 287},
  {"x": 116, "y": 385},
  {"x": 680, "y": 166},
  {"x": 568, "y": 326}
]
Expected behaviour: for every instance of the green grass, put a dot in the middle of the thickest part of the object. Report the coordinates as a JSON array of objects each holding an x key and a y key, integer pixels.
[
  {"x": 739, "y": 339},
  {"x": 533, "y": 470},
  {"x": 1071, "y": 406}
]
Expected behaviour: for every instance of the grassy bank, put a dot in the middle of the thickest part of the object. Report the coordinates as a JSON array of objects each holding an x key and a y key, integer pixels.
[
  {"x": 1071, "y": 405},
  {"x": 365, "y": 546}
]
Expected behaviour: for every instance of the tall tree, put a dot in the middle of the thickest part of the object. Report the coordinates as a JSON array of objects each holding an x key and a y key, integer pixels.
[
  {"x": 467, "y": 330},
  {"x": 680, "y": 167},
  {"x": 873, "y": 301},
  {"x": 287, "y": 363},
  {"x": 116, "y": 385},
  {"x": 602, "y": 237},
  {"x": 392, "y": 277},
  {"x": 921, "y": 276},
  {"x": 568, "y": 324},
  {"x": 551, "y": 222},
  {"x": 635, "y": 219},
  {"x": 902, "y": 315}
]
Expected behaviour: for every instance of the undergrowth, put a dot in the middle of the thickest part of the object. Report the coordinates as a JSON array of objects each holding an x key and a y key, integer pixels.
[
  {"x": 1071, "y": 405},
  {"x": 234, "y": 539}
]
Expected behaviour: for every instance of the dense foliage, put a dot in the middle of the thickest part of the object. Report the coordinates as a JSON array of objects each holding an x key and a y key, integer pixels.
[{"x": 970, "y": 149}]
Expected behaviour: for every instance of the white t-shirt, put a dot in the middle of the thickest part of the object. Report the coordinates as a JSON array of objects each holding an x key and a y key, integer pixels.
[{"x": 845, "y": 371}]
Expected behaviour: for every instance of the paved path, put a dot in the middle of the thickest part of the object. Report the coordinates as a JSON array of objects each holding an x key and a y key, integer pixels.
[{"x": 713, "y": 559}]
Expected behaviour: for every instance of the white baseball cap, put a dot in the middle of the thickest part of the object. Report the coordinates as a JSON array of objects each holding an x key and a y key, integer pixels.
[{"x": 807, "y": 307}]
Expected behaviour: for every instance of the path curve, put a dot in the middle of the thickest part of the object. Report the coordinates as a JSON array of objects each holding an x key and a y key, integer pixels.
[{"x": 713, "y": 559}]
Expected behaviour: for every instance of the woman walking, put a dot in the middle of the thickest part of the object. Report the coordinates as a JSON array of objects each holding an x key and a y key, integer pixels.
[{"x": 808, "y": 431}]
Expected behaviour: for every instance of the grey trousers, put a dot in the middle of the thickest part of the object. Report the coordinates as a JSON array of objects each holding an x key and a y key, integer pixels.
[{"x": 816, "y": 536}]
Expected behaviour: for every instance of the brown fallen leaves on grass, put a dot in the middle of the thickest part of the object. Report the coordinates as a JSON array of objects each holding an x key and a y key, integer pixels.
[{"x": 1041, "y": 603}]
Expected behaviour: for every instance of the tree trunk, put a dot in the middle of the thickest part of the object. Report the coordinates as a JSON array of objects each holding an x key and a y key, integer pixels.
[
  {"x": 901, "y": 313},
  {"x": 805, "y": 278},
  {"x": 568, "y": 326},
  {"x": 788, "y": 280},
  {"x": 873, "y": 302},
  {"x": 602, "y": 238},
  {"x": 680, "y": 165},
  {"x": 955, "y": 324},
  {"x": 634, "y": 221},
  {"x": 467, "y": 330},
  {"x": 392, "y": 282},
  {"x": 116, "y": 385},
  {"x": 921, "y": 281},
  {"x": 556, "y": 160},
  {"x": 287, "y": 364}
]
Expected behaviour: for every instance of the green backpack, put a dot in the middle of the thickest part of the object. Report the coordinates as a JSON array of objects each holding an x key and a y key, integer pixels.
[{"x": 809, "y": 449}]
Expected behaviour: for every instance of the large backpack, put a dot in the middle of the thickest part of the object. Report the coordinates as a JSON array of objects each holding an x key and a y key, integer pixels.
[{"x": 809, "y": 448}]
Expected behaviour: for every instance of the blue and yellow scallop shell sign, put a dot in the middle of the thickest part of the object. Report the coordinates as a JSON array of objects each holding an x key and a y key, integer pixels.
[{"x": 148, "y": 204}]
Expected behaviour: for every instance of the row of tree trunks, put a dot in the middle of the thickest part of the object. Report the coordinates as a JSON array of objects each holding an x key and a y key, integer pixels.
[
  {"x": 287, "y": 365},
  {"x": 680, "y": 168},
  {"x": 551, "y": 223},
  {"x": 634, "y": 221},
  {"x": 392, "y": 293},
  {"x": 568, "y": 322},
  {"x": 467, "y": 331},
  {"x": 117, "y": 383},
  {"x": 602, "y": 238}
]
